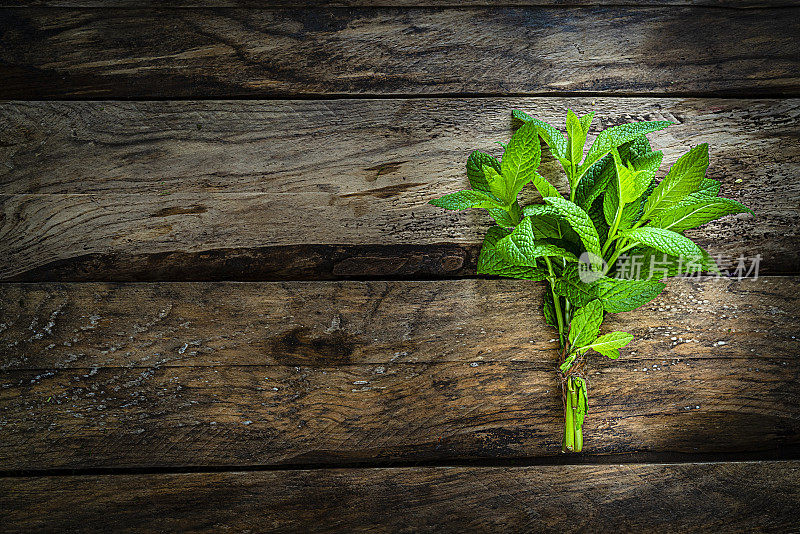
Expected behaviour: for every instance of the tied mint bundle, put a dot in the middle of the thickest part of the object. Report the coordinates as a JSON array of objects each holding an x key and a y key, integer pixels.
[{"x": 616, "y": 206}]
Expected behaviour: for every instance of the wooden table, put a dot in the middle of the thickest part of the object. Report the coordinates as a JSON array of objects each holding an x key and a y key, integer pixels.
[{"x": 226, "y": 304}]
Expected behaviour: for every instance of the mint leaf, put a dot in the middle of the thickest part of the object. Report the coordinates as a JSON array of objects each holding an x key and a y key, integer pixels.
[
  {"x": 547, "y": 223},
  {"x": 578, "y": 293},
  {"x": 594, "y": 182},
  {"x": 586, "y": 122},
  {"x": 609, "y": 344},
  {"x": 621, "y": 295},
  {"x": 683, "y": 178},
  {"x": 520, "y": 161},
  {"x": 628, "y": 181},
  {"x": 585, "y": 324},
  {"x": 612, "y": 138},
  {"x": 709, "y": 187},
  {"x": 653, "y": 264},
  {"x": 544, "y": 187},
  {"x": 580, "y": 221},
  {"x": 666, "y": 241},
  {"x": 497, "y": 184},
  {"x": 475, "y": 164},
  {"x": 554, "y": 139},
  {"x": 577, "y": 138},
  {"x": 522, "y": 248},
  {"x": 600, "y": 224},
  {"x": 687, "y": 216},
  {"x": 462, "y": 200},
  {"x": 598, "y": 176},
  {"x": 507, "y": 218},
  {"x": 549, "y": 311},
  {"x": 647, "y": 165},
  {"x": 490, "y": 261}
]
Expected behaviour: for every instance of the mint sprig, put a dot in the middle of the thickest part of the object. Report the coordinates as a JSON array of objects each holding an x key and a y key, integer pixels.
[{"x": 615, "y": 206}]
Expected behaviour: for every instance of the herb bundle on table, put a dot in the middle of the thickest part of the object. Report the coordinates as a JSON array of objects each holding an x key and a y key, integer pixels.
[{"x": 615, "y": 208}]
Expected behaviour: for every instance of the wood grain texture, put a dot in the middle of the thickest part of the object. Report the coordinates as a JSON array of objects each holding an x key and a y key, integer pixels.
[
  {"x": 329, "y": 189},
  {"x": 738, "y": 4},
  {"x": 65, "y": 326},
  {"x": 175, "y": 375},
  {"x": 110, "y": 53},
  {"x": 678, "y": 498}
]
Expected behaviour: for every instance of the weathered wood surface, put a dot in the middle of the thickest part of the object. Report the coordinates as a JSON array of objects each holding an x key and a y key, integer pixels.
[
  {"x": 122, "y": 53},
  {"x": 353, "y": 146},
  {"x": 64, "y": 326},
  {"x": 665, "y": 498},
  {"x": 329, "y": 189},
  {"x": 739, "y": 4},
  {"x": 263, "y": 374}
]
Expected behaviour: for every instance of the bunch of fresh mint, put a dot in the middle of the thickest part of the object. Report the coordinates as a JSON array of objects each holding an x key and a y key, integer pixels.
[{"x": 615, "y": 206}]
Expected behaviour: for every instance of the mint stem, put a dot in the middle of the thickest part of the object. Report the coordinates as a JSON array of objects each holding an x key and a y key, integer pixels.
[{"x": 569, "y": 419}]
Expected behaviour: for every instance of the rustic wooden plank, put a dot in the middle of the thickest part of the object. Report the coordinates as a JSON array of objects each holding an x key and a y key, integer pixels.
[
  {"x": 276, "y": 415},
  {"x": 679, "y": 498},
  {"x": 738, "y": 4},
  {"x": 352, "y": 146},
  {"x": 336, "y": 384},
  {"x": 64, "y": 326},
  {"x": 40, "y": 230},
  {"x": 115, "y": 53},
  {"x": 231, "y": 190}
]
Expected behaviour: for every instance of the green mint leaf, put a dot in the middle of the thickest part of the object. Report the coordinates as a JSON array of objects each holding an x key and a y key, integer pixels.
[
  {"x": 609, "y": 344},
  {"x": 612, "y": 138},
  {"x": 522, "y": 248},
  {"x": 577, "y": 138},
  {"x": 462, "y": 200},
  {"x": 627, "y": 180},
  {"x": 580, "y": 221},
  {"x": 578, "y": 293},
  {"x": 550, "y": 312},
  {"x": 709, "y": 187},
  {"x": 497, "y": 185},
  {"x": 554, "y": 139},
  {"x": 594, "y": 182},
  {"x": 544, "y": 187},
  {"x": 621, "y": 295},
  {"x": 600, "y": 224},
  {"x": 709, "y": 190},
  {"x": 520, "y": 160},
  {"x": 687, "y": 216},
  {"x": 653, "y": 264},
  {"x": 475, "y": 164},
  {"x": 598, "y": 176},
  {"x": 490, "y": 261},
  {"x": 683, "y": 178},
  {"x": 585, "y": 325},
  {"x": 548, "y": 224},
  {"x": 639, "y": 183},
  {"x": 586, "y": 122},
  {"x": 647, "y": 165},
  {"x": 666, "y": 241},
  {"x": 507, "y": 218}
]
